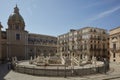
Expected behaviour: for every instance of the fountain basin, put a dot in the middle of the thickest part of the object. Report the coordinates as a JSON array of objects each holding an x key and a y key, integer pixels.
[{"x": 59, "y": 69}]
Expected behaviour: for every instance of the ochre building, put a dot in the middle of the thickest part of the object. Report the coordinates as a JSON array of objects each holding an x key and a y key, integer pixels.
[
  {"x": 16, "y": 41},
  {"x": 115, "y": 45},
  {"x": 88, "y": 41}
]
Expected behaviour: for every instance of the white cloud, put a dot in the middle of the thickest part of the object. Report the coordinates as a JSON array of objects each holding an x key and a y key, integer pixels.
[{"x": 105, "y": 13}]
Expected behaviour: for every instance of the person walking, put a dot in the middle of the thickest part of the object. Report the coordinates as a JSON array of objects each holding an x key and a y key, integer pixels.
[{"x": 9, "y": 64}]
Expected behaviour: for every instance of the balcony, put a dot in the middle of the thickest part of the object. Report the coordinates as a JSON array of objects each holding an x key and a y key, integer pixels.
[{"x": 115, "y": 50}]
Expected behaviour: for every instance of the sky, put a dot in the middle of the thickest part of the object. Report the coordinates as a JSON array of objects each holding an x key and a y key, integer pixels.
[{"x": 56, "y": 17}]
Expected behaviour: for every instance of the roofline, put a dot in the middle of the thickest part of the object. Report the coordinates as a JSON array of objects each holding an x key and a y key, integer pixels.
[
  {"x": 41, "y": 35},
  {"x": 91, "y": 27},
  {"x": 82, "y": 29},
  {"x": 115, "y": 28}
]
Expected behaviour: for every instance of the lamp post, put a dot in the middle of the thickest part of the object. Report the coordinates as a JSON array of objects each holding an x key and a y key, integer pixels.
[{"x": 34, "y": 53}]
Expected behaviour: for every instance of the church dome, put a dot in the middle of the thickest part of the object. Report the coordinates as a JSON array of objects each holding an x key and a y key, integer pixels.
[{"x": 16, "y": 19}]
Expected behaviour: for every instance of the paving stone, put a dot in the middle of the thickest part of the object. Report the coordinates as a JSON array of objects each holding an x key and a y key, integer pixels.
[{"x": 113, "y": 74}]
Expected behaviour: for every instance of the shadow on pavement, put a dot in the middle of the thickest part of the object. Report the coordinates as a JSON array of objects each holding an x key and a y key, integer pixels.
[{"x": 3, "y": 71}]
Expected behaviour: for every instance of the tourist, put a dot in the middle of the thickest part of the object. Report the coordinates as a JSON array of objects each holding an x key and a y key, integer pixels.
[{"x": 9, "y": 65}]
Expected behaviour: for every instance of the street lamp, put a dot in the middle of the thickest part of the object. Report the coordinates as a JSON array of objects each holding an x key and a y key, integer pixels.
[{"x": 34, "y": 53}]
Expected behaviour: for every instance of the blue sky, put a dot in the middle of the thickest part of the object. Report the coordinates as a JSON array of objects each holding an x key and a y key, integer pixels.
[{"x": 55, "y": 17}]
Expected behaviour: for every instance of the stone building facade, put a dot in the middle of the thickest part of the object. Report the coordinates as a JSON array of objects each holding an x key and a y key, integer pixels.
[
  {"x": 39, "y": 44},
  {"x": 16, "y": 41},
  {"x": 115, "y": 45},
  {"x": 88, "y": 41}
]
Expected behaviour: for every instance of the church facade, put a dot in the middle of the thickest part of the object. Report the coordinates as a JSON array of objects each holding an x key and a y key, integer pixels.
[{"x": 16, "y": 41}]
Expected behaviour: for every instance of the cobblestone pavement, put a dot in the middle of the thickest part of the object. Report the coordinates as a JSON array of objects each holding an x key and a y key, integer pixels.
[{"x": 113, "y": 74}]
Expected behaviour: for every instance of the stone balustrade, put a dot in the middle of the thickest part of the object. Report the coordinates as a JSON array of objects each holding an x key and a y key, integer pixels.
[{"x": 59, "y": 70}]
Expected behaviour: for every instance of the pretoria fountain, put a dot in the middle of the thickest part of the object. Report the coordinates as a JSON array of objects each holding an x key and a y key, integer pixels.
[{"x": 59, "y": 66}]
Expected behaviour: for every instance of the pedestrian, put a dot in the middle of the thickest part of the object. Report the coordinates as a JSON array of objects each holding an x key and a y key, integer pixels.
[{"x": 9, "y": 64}]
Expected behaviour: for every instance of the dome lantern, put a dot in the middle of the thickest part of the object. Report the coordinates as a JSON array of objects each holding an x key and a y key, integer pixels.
[{"x": 16, "y": 9}]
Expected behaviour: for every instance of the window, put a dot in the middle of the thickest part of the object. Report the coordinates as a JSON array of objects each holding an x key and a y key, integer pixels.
[
  {"x": 98, "y": 37},
  {"x": 80, "y": 56},
  {"x": 113, "y": 55},
  {"x": 114, "y": 46},
  {"x": 103, "y": 46},
  {"x": 72, "y": 47},
  {"x": 95, "y": 47},
  {"x": 17, "y": 36},
  {"x": 114, "y": 60},
  {"x": 91, "y": 41},
  {"x": 91, "y": 46},
  {"x": 3, "y": 35},
  {"x": 17, "y": 27},
  {"x": 94, "y": 30},
  {"x": 85, "y": 47}
]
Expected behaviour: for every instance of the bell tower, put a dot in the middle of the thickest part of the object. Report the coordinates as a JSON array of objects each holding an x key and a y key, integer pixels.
[{"x": 16, "y": 36}]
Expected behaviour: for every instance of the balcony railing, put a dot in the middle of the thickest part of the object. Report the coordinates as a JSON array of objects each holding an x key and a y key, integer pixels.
[{"x": 115, "y": 50}]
